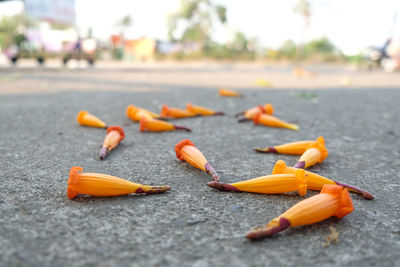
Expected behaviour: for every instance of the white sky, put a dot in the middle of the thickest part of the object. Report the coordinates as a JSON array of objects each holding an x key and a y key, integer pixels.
[{"x": 350, "y": 24}]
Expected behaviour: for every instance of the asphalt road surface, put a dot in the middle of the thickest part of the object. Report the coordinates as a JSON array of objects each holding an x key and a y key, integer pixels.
[{"x": 192, "y": 225}]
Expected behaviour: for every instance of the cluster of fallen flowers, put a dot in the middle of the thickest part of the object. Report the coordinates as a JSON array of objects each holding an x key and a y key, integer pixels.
[{"x": 333, "y": 200}]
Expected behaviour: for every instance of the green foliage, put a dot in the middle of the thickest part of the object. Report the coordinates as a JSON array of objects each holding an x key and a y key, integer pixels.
[
  {"x": 197, "y": 18},
  {"x": 322, "y": 50},
  {"x": 322, "y": 45},
  {"x": 288, "y": 50},
  {"x": 303, "y": 8},
  {"x": 9, "y": 31}
]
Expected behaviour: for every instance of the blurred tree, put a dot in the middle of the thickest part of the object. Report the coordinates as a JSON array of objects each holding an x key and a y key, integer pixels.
[
  {"x": 303, "y": 7},
  {"x": 240, "y": 42},
  {"x": 322, "y": 45},
  {"x": 9, "y": 33},
  {"x": 193, "y": 22},
  {"x": 124, "y": 23},
  {"x": 288, "y": 50}
]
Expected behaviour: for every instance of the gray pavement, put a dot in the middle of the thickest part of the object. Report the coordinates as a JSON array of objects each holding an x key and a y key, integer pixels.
[{"x": 192, "y": 225}]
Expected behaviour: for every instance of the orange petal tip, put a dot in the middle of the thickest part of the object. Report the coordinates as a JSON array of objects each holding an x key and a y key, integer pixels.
[
  {"x": 229, "y": 93},
  {"x": 117, "y": 128},
  {"x": 142, "y": 123},
  {"x": 129, "y": 109},
  {"x": 164, "y": 111},
  {"x": 345, "y": 201},
  {"x": 279, "y": 167},
  {"x": 320, "y": 145},
  {"x": 73, "y": 179},
  {"x": 268, "y": 108},
  {"x": 180, "y": 145},
  {"x": 87, "y": 119},
  {"x": 256, "y": 118},
  {"x": 80, "y": 116}
]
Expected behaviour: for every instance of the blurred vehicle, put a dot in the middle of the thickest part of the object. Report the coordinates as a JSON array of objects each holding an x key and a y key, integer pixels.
[
  {"x": 41, "y": 44},
  {"x": 80, "y": 50},
  {"x": 376, "y": 56}
]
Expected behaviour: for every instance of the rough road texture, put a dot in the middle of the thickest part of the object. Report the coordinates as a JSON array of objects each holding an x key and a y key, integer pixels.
[{"x": 192, "y": 225}]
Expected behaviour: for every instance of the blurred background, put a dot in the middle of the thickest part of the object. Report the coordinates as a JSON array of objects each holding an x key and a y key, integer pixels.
[{"x": 363, "y": 33}]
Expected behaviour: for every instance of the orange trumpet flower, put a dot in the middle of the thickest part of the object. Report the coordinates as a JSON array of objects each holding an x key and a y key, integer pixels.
[
  {"x": 315, "y": 153},
  {"x": 115, "y": 134},
  {"x": 198, "y": 110},
  {"x": 293, "y": 148},
  {"x": 270, "y": 184},
  {"x": 186, "y": 151},
  {"x": 333, "y": 200},
  {"x": 97, "y": 184},
  {"x": 87, "y": 119},
  {"x": 315, "y": 181},
  {"x": 176, "y": 113},
  {"x": 229, "y": 93},
  {"x": 271, "y": 121},
  {"x": 250, "y": 113},
  {"x": 135, "y": 113},
  {"x": 153, "y": 125}
]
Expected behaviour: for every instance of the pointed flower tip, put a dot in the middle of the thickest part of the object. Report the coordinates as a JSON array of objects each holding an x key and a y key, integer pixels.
[
  {"x": 300, "y": 165},
  {"x": 178, "y": 127},
  {"x": 266, "y": 150},
  {"x": 209, "y": 169},
  {"x": 222, "y": 186},
  {"x": 242, "y": 119},
  {"x": 153, "y": 189},
  {"x": 363, "y": 193},
  {"x": 266, "y": 231},
  {"x": 103, "y": 153},
  {"x": 293, "y": 127}
]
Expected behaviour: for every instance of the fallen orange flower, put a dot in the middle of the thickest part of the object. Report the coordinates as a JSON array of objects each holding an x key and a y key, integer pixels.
[
  {"x": 186, "y": 151},
  {"x": 135, "y": 113},
  {"x": 199, "y": 110},
  {"x": 315, "y": 153},
  {"x": 87, "y": 119},
  {"x": 270, "y": 184},
  {"x": 115, "y": 134},
  {"x": 153, "y": 125},
  {"x": 293, "y": 148},
  {"x": 250, "y": 113},
  {"x": 315, "y": 181},
  {"x": 271, "y": 121},
  {"x": 333, "y": 200},
  {"x": 97, "y": 184},
  {"x": 229, "y": 93},
  {"x": 176, "y": 113}
]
